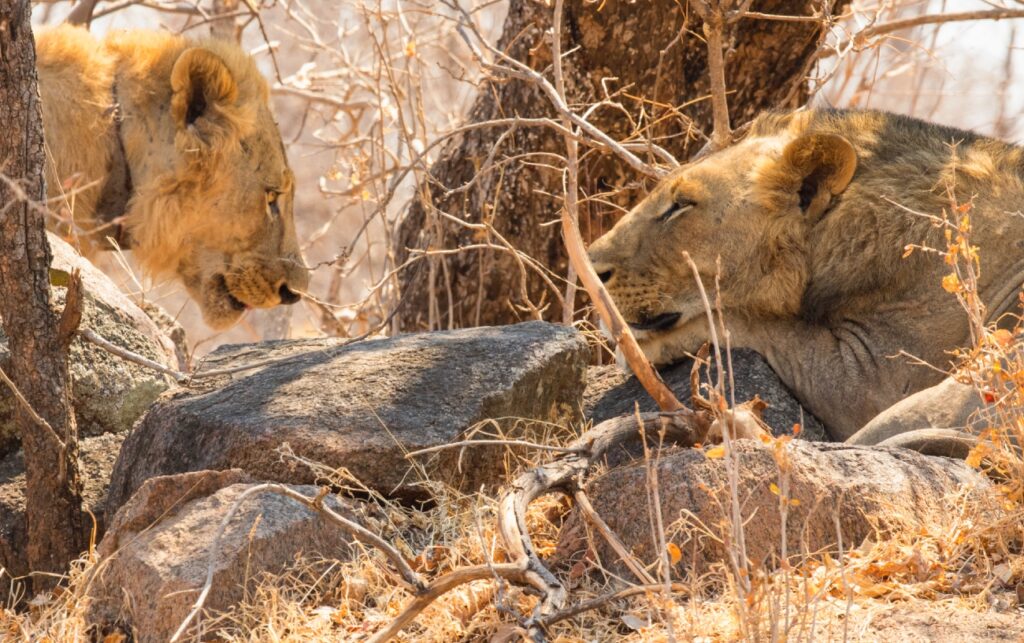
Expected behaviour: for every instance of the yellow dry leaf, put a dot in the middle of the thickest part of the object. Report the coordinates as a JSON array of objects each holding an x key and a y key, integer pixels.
[
  {"x": 715, "y": 453},
  {"x": 794, "y": 502},
  {"x": 951, "y": 283},
  {"x": 410, "y": 48},
  {"x": 774, "y": 488},
  {"x": 673, "y": 553},
  {"x": 1002, "y": 337},
  {"x": 973, "y": 459}
]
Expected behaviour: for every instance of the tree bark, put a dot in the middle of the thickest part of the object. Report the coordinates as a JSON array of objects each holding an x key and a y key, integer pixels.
[
  {"x": 653, "y": 54},
  {"x": 38, "y": 355}
]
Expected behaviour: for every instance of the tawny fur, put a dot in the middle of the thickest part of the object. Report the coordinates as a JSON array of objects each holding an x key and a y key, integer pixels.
[
  {"x": 810, "y": 216},
  {"x": 204, "y": 154}
]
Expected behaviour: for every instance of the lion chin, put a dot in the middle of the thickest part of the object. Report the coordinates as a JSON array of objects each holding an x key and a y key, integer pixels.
[{"x": 220, "y": 308}]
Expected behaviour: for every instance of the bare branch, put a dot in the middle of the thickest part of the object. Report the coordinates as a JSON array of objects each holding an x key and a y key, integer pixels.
[
  {"x": 861, "y": 37},
  {"x": 601, "y": 601},
  {"x": 38, "y": 419},
  {"x": 714, "y": 27},
  {"x": 488, "y": 442},
  {"x": 82, "y": 13},
  {"x": 436, "y": 589},
  {"x": 135, "y": 358},
  {"x": 565, "y": 475}
]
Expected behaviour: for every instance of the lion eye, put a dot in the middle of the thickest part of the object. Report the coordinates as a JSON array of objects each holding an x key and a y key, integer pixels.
[
  {"x": 677, "y": 208},
  {"x": 272, "y": 202}
]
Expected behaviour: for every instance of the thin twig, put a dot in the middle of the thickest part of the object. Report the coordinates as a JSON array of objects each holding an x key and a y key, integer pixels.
[
  {"x": 486, "y": 442},
  {"x": 595, "y": 520},
  {"x": 932, "y": 19},
  {"x": 38, "y": 419},
  {"x": 135, "y": 358}
]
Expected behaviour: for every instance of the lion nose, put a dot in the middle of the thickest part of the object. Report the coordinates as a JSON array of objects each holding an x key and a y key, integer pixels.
[{"x": 287, "y": 296}]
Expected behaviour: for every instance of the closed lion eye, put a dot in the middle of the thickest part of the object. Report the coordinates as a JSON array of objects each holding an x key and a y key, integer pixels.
[{"x": 676, "y": 208}]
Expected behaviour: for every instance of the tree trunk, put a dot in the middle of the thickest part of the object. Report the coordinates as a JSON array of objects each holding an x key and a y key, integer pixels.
[
  {"x": 38, "y": 356},
  {"x": 647, "y": 52}
]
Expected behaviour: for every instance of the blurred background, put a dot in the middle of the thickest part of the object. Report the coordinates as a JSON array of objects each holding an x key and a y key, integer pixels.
[{"x": 367, "y": 93}]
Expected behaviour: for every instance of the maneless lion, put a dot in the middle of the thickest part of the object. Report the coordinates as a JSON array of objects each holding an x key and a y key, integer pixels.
[
  {"x": 811, "y": 215},
  {"x": 168, "y": 146}
]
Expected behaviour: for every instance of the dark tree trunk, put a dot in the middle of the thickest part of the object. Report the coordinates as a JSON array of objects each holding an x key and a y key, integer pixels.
[
  {"x": 38, "y": 357},
  {"x": 648, "y": 51}
]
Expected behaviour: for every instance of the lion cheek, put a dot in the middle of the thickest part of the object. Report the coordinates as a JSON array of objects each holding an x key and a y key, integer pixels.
[{"x": 249, "y": 285}]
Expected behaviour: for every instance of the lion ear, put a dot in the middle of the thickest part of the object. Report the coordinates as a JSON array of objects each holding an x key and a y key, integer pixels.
[
  {"x": 823, "y": 165},
  {"x": 203, "y": 88}
]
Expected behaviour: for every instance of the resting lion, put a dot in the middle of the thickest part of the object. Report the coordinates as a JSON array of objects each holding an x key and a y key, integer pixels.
[
  {"x": 175, "y": 154},
  {"x": 811, "y": 215}
]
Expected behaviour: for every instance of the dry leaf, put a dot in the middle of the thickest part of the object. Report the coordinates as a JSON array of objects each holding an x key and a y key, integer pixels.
[
  {"x": 951, "y": 283},
  {"x": 715, "y": 453},
  {"x": 673, "y": 553},
  {"x": 634, "y": 622}
]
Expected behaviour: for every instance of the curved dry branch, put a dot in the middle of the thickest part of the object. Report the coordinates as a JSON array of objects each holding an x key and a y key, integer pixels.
[
  {"x": 565, "y": 475},
  {"x": 508, "y": 571},
  {"x": 601, "y": 601}
]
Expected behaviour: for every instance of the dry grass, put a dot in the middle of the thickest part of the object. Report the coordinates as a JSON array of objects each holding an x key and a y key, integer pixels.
[{"x": 963, "y": 564}]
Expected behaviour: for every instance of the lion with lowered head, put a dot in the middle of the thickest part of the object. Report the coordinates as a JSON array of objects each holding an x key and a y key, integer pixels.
[
  {"x": 811, "y": 214},
  {"x": 177, "y": 156}
]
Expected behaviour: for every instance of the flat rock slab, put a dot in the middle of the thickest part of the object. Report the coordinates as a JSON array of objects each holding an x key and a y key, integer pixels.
[
  {"x": 109, "y": 394},
  {"x": 154, "y": 559},
  {"x": 362, "y": 407},
  {"x": 862, "y": 487},
  {"x": 96, "y": 461},
  {"x": 611, "y": 393}
]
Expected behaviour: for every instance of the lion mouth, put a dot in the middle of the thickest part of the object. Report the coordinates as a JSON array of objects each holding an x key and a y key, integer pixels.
[
  {"x": 234, "y": 302},
  {"x": 664, "y": 321}
]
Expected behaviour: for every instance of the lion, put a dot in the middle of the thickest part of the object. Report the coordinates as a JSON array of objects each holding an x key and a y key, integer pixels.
[
  {"x": 167, "y": 146},
  {"x": 807, "y": 223}
]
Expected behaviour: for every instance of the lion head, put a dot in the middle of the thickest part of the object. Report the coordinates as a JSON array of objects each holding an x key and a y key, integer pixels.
[
  {"x": 743, "y": 215},
  {"x": 214, "y": 195}
]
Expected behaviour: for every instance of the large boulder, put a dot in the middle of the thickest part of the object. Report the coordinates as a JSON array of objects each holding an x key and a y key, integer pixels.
[
  {"x": 362, "y": 406},
  {"x": 154, "y": 559},
  {"x": 109, "y": 394},
  {"x": 612, "y": 392},
  {"x": 96, "y": 460},
  {"x": 858, "y": 489}
]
